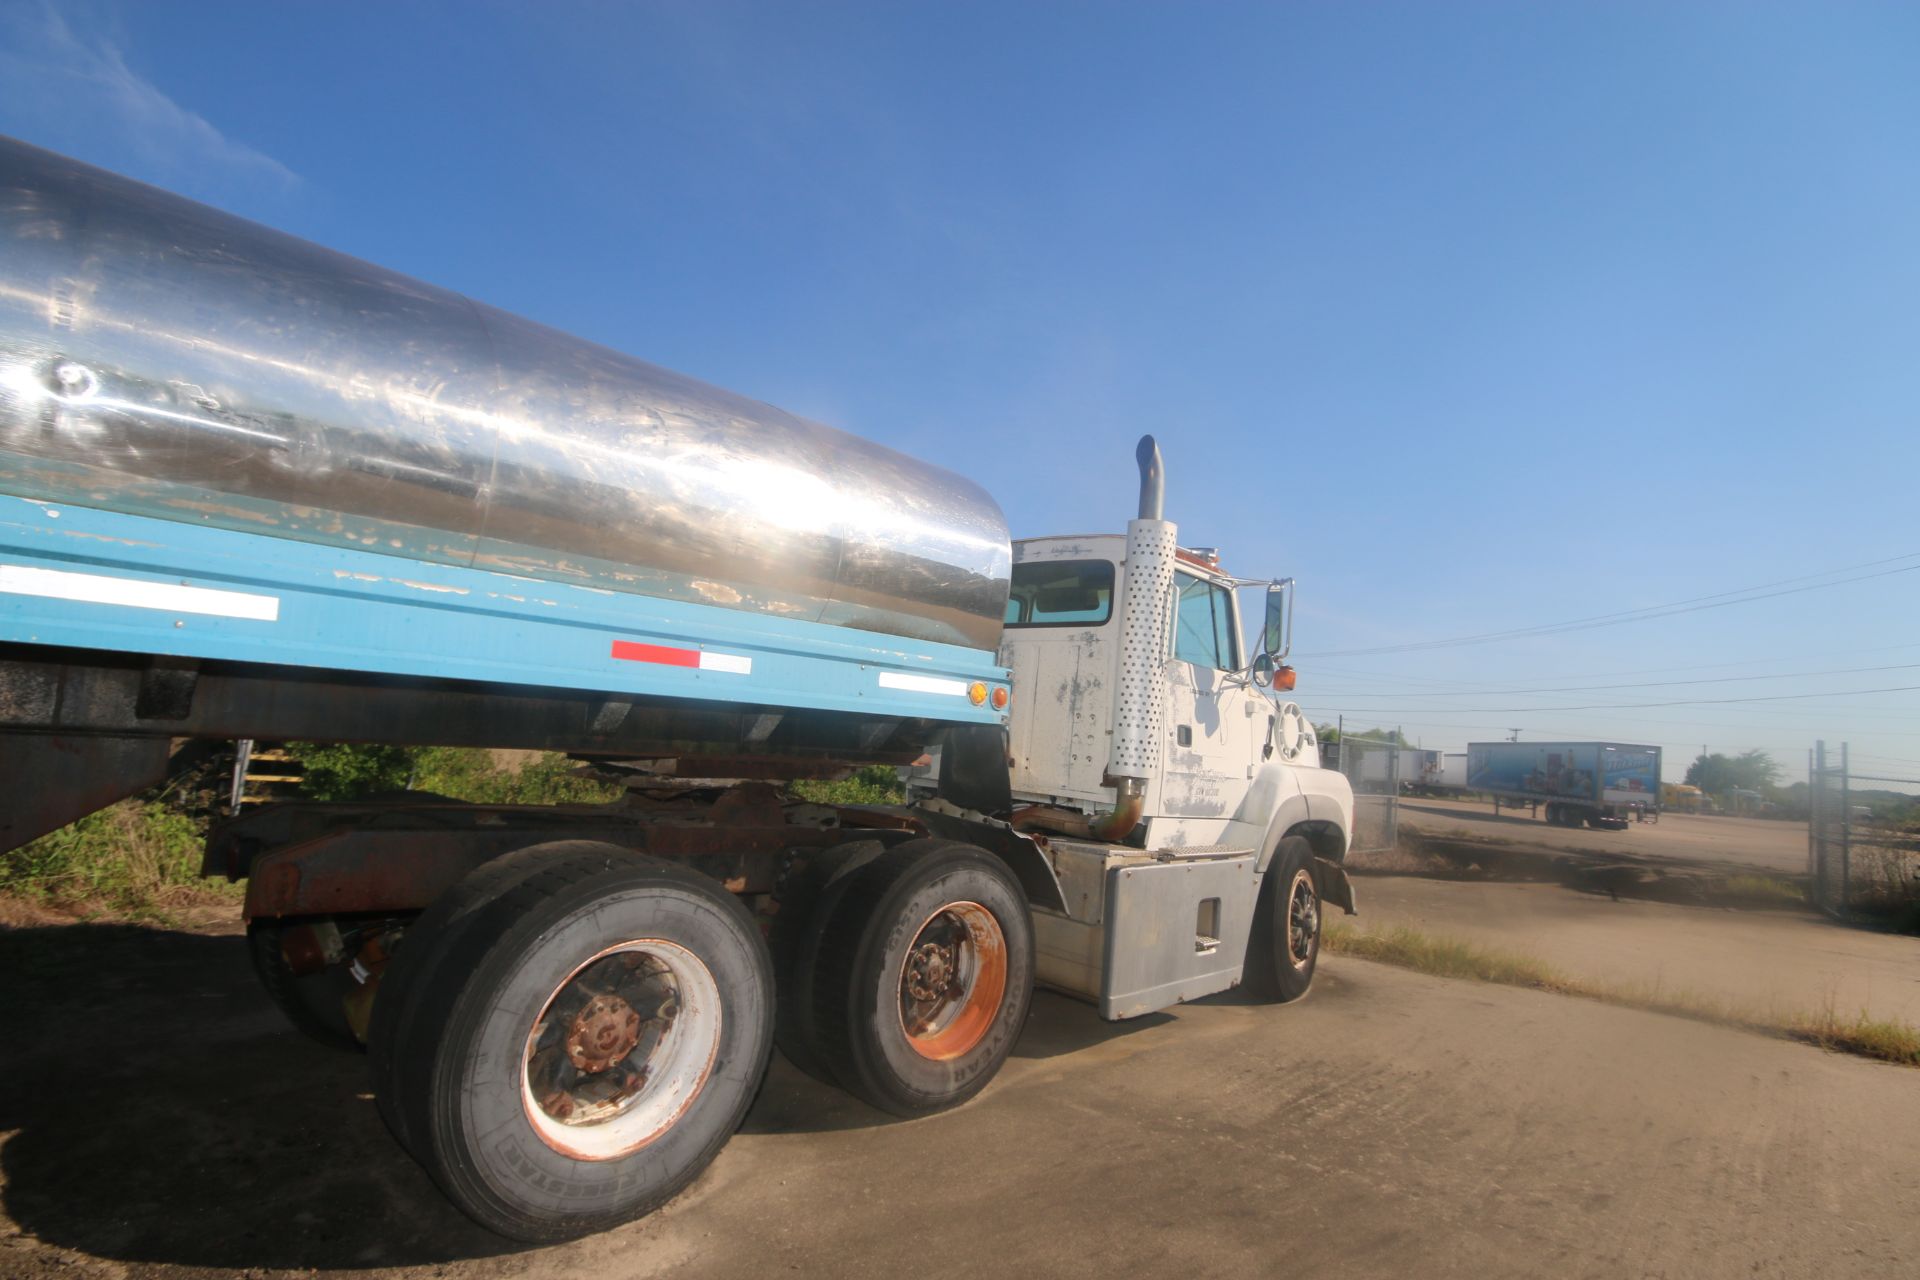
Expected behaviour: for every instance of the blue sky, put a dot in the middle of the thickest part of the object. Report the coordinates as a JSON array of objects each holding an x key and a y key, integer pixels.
[{"x": 1473, "y": 317}]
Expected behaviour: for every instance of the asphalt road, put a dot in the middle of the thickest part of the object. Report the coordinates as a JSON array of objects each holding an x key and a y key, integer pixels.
[{"x": 158, "y": 1122}]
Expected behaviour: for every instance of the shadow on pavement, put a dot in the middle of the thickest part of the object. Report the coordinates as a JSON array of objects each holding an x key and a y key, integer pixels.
[
  {"x": 161, "y": 1111},
  {"x": 165, "y": 1113}
]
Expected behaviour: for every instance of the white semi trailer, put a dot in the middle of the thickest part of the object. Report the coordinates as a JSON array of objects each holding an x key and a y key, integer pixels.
[{"x": 253, "y": 489}]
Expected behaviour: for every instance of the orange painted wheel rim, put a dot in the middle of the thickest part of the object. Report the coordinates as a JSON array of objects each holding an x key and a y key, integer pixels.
[{"x": 952, "y": 981}]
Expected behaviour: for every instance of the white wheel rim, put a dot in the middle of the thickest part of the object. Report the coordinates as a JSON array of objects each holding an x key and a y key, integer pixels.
[{"x": 607, "y": 1111}]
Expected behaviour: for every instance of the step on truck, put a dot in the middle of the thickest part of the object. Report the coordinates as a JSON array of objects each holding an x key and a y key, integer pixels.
[{"x": 254, "y": 489}]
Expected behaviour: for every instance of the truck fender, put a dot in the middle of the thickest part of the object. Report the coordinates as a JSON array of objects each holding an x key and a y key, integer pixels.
[
  {"x": 1316, "y": 804},
  {"x": 1285, "y": 800}
]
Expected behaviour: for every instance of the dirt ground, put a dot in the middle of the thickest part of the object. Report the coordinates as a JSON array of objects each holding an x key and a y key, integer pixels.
[
  {"x": 157, "y": 1120},
  {"x": 1778, "y": 848},
  {"x": 1767, "y": 962}
]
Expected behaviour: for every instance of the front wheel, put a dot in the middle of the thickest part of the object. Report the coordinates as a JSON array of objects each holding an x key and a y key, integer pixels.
[
  {"x": 925, "y": 976},
  {"x": 1284, "y": 946},
  {"x": 591, "y": 1047}
]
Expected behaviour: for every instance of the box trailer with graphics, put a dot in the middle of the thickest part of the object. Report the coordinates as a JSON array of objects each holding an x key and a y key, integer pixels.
[{"x": 1597, "y": 784}]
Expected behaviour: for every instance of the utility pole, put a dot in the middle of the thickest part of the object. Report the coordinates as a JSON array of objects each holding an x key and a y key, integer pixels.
[{"x": 1513, "y": 735}]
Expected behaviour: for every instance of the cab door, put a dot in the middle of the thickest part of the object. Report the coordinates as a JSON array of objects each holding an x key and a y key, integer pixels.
[{"x": 1215, "y": 716}]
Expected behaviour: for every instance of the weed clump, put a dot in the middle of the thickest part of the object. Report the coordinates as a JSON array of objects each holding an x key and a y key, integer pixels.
[{"x": 135, "y": 857}]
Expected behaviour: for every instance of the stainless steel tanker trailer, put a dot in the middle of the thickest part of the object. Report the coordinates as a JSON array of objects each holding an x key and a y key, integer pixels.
[{"x": 251, "y": 488}]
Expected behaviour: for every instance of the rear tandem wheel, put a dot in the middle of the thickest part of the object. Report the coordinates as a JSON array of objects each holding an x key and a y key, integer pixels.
[
  {"x": 924, "y": 977},
  {"x": 574, "y": 1037}
]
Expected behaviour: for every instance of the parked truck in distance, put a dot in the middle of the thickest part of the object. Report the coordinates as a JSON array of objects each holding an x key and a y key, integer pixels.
[
  {"x": 1595, "y": 784},
  {"x": 253, "y": 489}
]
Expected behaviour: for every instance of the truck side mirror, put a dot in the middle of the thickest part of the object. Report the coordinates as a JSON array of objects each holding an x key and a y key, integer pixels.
[{"x": 1276, "y": 636}]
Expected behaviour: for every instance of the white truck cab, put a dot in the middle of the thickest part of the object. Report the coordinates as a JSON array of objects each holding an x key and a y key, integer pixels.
[{"x": 1149, "y": 748}]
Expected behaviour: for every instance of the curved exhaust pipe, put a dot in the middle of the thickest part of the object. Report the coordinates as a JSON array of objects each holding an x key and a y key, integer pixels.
[{"x": 1153, "y": 479}]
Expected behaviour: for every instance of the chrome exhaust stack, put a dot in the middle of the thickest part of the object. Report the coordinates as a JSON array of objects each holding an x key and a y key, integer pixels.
[{"x": 1140, "y": 702}]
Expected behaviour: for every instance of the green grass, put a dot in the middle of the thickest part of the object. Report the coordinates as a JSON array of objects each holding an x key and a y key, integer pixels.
[
  {"x": 141, "y": 858},
  {"x": 1882, "y": 1038},
  {"x": 136, "y": 858},
  {"x": 875, "y": 784},
  {"x": 1444, "y": 957},
  {"x": 465, "y": 773},
  {"x": 1762, "y": 889},
  {"x": 346, "y": 771},
  {"x": 1886, "y": 1040}
]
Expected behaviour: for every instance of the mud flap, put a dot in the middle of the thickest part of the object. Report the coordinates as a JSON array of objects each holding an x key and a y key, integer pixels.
[{"x": 1330, "y": 878}]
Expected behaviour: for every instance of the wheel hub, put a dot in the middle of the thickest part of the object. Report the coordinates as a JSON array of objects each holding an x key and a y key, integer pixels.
[
  {"x": 623, "y": 1045},
  {"x": 931, "y": 971},
  {"x": 951, "y": 981},
  {"x": 1303, "y": 921},
  {"x": 604, "y": 1031}
]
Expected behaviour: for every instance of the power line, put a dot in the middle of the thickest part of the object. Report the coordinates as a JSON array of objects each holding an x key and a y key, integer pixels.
[
  {"x": 1717, "y": 600},
  {"x": 1676, "y": 702},
  {"x": 1401, "y": 677},
  {"x": 1639, "y": 684}
]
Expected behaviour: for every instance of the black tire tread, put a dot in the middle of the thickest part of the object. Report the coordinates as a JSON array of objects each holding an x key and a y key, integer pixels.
[
  {"x": 845, "y": 949},
  {"x": 1266, "y": 974},
  {"x": 394, "y": 1025},
  {"x": 805, "y": 918},
  {"x": 283, "y": 988},
  {"x": 502, "y": 913}
]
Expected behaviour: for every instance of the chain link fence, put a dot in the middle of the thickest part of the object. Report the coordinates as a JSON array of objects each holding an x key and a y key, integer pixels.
[
  {"x": 1372, "y": 769},
  {"x": 1856, "y": 865},
  {"x": 1828, "y": 834}
]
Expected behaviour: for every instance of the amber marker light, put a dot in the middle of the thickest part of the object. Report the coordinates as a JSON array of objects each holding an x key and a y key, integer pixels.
[
  {"x": 999, "y": 698},
  {"x": 977, "y": 693},
  {"x": 1283, "y": 678}
]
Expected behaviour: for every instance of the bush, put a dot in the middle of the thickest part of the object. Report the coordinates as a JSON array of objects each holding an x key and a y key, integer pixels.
[
  {"x": 349, "y": 771},
  {"x": 132, "y": 856},
  {"x": 875, "y": 784},
  {"x": 467, "y": 773}
]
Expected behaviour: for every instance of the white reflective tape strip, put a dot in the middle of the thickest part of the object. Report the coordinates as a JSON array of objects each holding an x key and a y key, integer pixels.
[
  {"x": 729, "y": 662},
  {"x": 923, "y": 684},
  {"x": 137, "y": 593}
]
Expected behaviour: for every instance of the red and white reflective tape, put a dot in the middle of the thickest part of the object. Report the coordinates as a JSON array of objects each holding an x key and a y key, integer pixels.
[{"x": 667, "y": 656}]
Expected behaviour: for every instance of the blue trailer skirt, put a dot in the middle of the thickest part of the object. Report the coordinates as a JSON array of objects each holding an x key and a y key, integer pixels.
[{"x": 80, "y": 578}]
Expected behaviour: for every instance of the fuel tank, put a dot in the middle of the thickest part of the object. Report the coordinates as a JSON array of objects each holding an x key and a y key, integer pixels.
[{"x": 161, "y": 358}]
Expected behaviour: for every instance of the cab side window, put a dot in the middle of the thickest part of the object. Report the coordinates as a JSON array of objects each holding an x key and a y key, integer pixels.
[{"x": 1203, "y": 626}]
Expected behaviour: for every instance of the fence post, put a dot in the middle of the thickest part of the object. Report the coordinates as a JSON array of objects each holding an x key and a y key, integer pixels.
[{"x": 1846, "y": 830}]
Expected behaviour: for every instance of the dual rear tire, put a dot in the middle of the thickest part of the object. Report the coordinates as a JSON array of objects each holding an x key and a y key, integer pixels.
[
  {"x": 570, "y": 1035},
  {"x": 920, "y": 978}
]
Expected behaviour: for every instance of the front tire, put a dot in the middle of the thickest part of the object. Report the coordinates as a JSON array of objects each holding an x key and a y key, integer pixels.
[
  {"x": 1284, "y": 947},
  {"x": 587, "y": 1043},
  {"x": 925, "y": 977}
]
